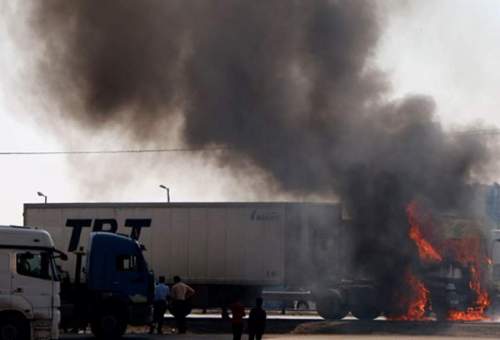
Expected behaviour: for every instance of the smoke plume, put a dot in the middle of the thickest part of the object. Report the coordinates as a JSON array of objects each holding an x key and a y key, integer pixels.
[
  {"x": 262, "y": 77},
  {"x": 288, "y": 85}
]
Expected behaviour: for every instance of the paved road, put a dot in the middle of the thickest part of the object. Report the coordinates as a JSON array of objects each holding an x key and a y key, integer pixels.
[
  {"x": 322, "y": 330},
  {"x": 284, "y": 337},
  {"x": 212, "y": 327}
]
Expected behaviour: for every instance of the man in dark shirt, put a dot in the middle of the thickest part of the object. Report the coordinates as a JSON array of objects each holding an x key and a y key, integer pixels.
[
  {"x": 257, "y": 321},
  {"x": 238, "y": 313}
]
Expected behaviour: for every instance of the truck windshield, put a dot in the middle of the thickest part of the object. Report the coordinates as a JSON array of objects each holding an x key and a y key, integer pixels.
[{"x": 36, "y": 264}]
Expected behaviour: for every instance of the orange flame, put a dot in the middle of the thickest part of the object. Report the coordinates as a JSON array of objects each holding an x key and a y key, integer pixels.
[
  {"x": 425, "y": 250},
  {"x": 468, "y": 254},
  {"x": 467, "y": 251},
  {"x": 419, "y": 297}
]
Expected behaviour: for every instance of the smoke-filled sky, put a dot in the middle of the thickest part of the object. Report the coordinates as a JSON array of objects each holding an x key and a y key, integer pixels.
[{"x": 297, "y": 90}]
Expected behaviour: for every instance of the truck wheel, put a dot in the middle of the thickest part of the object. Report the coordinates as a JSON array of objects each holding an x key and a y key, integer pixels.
[
  {"x": 365, "y": 313},
  {"x": 331, "y": 306},
  {"x": 109, "y": 325},
  {"x": 364, "y": 302},
  {"x": 14, "y": 328}
]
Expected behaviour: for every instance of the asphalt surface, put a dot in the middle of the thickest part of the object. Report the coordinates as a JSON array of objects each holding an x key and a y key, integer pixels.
[
  {"x": 293, "y": 328},
  {"x": 286, "y": 337}
]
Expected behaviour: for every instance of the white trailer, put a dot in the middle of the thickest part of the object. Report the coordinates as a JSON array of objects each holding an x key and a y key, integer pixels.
[
  {"x": 224, "y": 249},
  {"x": 204, "y": 243},
  {"x": 29, "y": 285}
]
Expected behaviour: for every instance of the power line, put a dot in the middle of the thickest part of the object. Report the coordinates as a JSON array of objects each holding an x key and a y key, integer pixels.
[
  {"x": 179, "y": 150},
  {"x": 100, "y": 152}
]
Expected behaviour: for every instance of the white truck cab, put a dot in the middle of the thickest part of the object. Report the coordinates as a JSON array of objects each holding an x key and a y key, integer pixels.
[{"x": 29, "y": 285}]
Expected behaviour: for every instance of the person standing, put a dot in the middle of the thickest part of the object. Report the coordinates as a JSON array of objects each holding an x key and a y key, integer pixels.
[
  {"x": 257, "y": 321},
  {"x": 162, "y": 293},
  {"x": 180, "y": 294},
  {"x": 237, "y": 315}
]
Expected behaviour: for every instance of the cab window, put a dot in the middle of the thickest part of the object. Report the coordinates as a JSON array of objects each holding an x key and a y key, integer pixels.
[
  {"x": 127, "y": 263},
  {"x": 37, "y": 265}
]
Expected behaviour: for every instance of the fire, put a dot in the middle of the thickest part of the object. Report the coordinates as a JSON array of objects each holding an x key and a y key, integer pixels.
[
  {"x": 416, "y": 298},
  {"x": 414, "y": 301},
  {"x": 482, "y": 302},
  {"x": 425, "y": 250},
  {"x": 416, "y": 307},
  {"x": 467, "y": 251}
]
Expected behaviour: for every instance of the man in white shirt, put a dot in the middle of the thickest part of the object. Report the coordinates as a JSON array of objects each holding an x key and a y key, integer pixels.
[
  {"x": 162, "y": 293},
  {"x": 180, "y": 295}
]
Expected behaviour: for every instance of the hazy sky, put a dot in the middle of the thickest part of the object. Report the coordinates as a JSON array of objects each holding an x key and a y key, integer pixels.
[
  {"x": 447, "y": 49},
  {"x": 450, "y": 50}
]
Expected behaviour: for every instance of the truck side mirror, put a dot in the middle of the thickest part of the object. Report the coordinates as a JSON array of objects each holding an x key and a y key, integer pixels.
[{"x": 60, "y": 255}]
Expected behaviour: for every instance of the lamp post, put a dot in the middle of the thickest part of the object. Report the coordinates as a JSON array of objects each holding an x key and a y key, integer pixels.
[
  {"x": 168, "y": 192},
  {"x": 42, "y": 195}
]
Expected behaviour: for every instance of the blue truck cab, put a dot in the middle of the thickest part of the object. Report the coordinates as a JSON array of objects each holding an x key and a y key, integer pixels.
[{"x": 119, "y": 285}]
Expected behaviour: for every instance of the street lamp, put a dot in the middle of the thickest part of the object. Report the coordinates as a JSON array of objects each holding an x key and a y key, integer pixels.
[
  {"x": 42, "y": 195},
  {"x": 168, "y": 192}
]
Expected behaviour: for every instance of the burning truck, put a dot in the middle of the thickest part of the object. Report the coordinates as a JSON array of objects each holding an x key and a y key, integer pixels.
[
  {"x": 452, "y": 278},
  {"x": 303, "y": 250},
  {"x": 285, "y": 94}
]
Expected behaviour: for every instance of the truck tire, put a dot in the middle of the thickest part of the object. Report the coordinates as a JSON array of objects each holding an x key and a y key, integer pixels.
[
  {"x": 109, "y": 324},
  {"x": 365, "y": 312},
  {"x": 363, "y": 303},
  {"x": 331, "y": 306},
  {"x": 13, "y": 327}
]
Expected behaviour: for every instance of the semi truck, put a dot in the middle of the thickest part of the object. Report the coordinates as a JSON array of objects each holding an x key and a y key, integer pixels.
[
  {"x": 460, "y": 281},
  {"x": 112, "y": 290},
  {"x": 284, "y": 250},
  {"x": 227, "y": 250},
  {"x": 36, "y": 297},
  {"x": 29, "y": 285}
]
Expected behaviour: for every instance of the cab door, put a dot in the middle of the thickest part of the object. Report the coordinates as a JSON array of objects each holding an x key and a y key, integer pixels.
[
  {"x": 131, "y": 273},
  {"x": 5, "y": 280},
  {"x": 33, "y": 280}
]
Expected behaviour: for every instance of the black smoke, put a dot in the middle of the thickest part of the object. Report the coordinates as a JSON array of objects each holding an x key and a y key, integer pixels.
[
  {"x": 262, "y": 77},
  {"x": 289, "y": 85}
]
